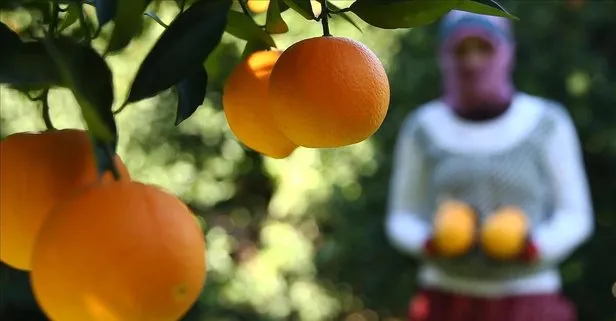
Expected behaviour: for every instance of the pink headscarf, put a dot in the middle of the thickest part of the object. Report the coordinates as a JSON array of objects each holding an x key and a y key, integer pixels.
[{"x": 493, "y": 86}]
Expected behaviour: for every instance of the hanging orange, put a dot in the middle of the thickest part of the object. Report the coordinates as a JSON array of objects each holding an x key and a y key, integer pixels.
[
  {"x": 119, "y": 251},
  {"x": 37, "y": 170}
]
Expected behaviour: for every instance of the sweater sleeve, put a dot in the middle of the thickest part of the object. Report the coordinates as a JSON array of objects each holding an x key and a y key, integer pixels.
[
  {"x": 405, "y": 226},
  {"x": 572, "y": 222}
]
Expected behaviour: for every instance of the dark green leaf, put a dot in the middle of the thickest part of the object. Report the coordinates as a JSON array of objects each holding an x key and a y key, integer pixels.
[
  {"x": 486, "y": 7},
  {"x": 303, "y": 7},
  {"x": 29, "y": 65},
  {"x": 71, "y": 16},
  {"x": 252, "y": 47},
  {"x": 128, "y": 21},
  {"x": 8, "y": 39},
  {"x": 191, "y": 93},
  {"x": 156, "y": 18},
  {"x": 88, "y": 76},
  {"x": 283, "y": 6},
  {"x": 343, "y": 15},
  {"x": 104, "y": 154},
  {"x": 393, "y": 14},
  {"x": 182, "y": 48},
  {"x": 243, "y": 27},
  {"x": 105, "y": 11},
  {"x": 274, "y": 23}
]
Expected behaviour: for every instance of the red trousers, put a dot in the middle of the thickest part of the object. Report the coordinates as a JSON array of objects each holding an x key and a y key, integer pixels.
[{"x": 430, "y": 305}]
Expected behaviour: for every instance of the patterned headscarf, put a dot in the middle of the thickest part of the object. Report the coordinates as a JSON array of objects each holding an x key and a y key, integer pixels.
[{"x": 494, "y": 85}]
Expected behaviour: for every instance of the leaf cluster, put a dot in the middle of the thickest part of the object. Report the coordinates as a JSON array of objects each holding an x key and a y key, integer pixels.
[{"x": 48, "y": 54}]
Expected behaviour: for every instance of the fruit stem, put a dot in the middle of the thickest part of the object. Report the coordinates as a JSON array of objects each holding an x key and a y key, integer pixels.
[
  {"x": 324, "y": 16},
  {"x": 243, "y": 4},
  {"x": 112, "y": 165},
  {"x": 45, "y": 110}
]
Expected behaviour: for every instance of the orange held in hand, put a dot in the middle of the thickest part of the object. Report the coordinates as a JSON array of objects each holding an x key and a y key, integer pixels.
[
  {"x": 328, "y": 92},
  {"x": 245, "y": 103},
  {"x": 454, "y": 228},
  {"x": 504, "y": 233},
  {"x": 37, "y": 170},
  {"x": 119, "y": 251}
]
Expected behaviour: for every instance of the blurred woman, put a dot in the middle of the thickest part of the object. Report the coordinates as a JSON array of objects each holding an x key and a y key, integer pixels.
[{"x": 488, "y": 145}]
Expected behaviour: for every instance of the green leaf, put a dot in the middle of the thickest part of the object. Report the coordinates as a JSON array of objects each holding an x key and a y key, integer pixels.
[
  {"x": 485, "y": 7},
  {"x": 182, "y": 48},
  {"x": 156, "y": 18},
  {"x": 28, "y": 65},
  {"x": 191, "y": 93},
  {"x": 128, "y": 22},
  {"x": 71, "y": 16},
  {"x": 303, "y": 7},
  {"x": 252, "y": 47},
  {"x": 283, "y": 6},
  {"x": 243, "y": 27},
  {"x": 343, "y": 15},
  {"x": 9, "y": 40},
  {"x": 274, "y": 23},
  {"x": 89, "y": 78},
  {"x": 105, "y": 11},
  {"x": 393, "y": 14}
]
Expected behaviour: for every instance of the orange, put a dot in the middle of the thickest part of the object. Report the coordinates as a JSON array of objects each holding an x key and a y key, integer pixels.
[
  {"x": 245, "y": 103},
  {"x": 258, "y": 6},
  {"x": 36, "y": 171},
  {"x": 261, "y": 6},
  {"x": 328, "y": 92},
  {"x": 503, "y": 234},
  {"x": 454, "y": 228},
  {"x": 119, "y": 251}
]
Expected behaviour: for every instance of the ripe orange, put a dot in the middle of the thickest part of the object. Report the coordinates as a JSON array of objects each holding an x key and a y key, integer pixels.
[
  {"x": 245, "y": 103},
  {"x": 258, "y": 6},
  {"x": 328, "y": 92},
  {"x": 119, "y": 251},
  {"x": 503, "y": 234},
  {"x": 454, "y": 228},
  {"x": 261, "y": 6},
  {"x": 36, "y": 171}
]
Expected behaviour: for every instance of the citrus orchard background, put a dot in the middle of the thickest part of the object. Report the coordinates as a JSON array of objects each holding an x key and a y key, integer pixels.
[{"x": 301, "y": 238}]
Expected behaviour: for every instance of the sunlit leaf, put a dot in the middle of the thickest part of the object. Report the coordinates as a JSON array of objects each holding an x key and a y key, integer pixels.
[
  {"x": 393, "y": 14},
  {"x": 71, "y": 16},
  {"x": 274, "y": 23},
  {"x": 485, "y": 7},
  {"x": 243, "y": 27},
  {"x": 127, "y": 23}
]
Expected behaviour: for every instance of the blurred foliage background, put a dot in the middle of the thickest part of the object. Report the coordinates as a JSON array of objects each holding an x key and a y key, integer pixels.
[{"x": 302, "y": 238}]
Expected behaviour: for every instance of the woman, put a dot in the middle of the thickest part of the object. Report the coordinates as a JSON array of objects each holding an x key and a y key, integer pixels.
[{"x": 487, "y": 144}]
